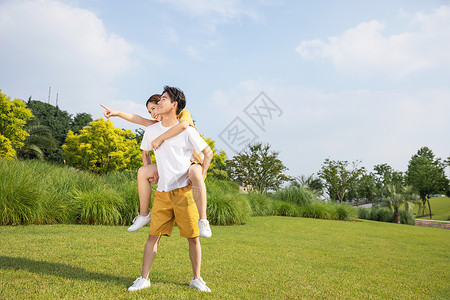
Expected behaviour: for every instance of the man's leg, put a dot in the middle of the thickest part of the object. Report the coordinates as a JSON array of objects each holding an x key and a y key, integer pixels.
[
  {"x": 195, "y": 254},
  {"x": 150, "y": 251}
]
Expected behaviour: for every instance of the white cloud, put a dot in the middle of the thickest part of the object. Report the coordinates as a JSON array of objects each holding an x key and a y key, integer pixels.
[
  {"x": 372, "y": 126},
  {"x": 366, "y": 50},
  {"x": 52, "y": 43},
  {"x": 217, "y": 11}
]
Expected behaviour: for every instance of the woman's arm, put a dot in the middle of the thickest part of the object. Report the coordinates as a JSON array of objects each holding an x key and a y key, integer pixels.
[
  {"x": 127, "y": 116},
  {"x": 174, "y": 131}
]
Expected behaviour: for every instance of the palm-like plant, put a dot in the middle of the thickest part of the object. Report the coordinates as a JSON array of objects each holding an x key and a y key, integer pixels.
[
  {"x": 40, "y": 139},
  {"x": 311, "y": 182},
  {"x": 394, "y": 196}
]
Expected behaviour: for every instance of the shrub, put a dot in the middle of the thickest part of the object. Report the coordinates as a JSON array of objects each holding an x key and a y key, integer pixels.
[
  {"x": 384, "y": 214},
  {"x": 101, "y": 205},
  {"x": 363, "y": 213},
  {"x": 261, "y": 205},
  {"x": 301, "y": 196},
  {"x": 226, "y": 206},
  {"x": 381, "y": 214},
  {"x": 346, "y": 212},
  {"x": 283, "y": 208},
  {"x": 125, "y": 184},
  {"x": 406, "y": 217},
  {"x": 228, "y": 209},
  {"x": 19, "y": 194}
]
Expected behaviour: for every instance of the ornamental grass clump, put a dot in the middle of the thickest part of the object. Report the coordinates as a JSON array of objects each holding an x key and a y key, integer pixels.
[
  {"x": 226, "y": 206},
  {"x": 301, "y": 196},
  {"x": 101, "y": 205},
  {"x": 19, "y": 194},
  {"x": 261, "y": 204}
]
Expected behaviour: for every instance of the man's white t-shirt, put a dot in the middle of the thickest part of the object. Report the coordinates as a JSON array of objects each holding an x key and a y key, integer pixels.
[{"x": 173, "y": 156}]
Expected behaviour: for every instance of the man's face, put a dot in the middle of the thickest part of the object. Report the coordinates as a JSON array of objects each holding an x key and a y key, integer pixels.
[
  {"x": 165, "y": 104},
  {"x": 152, "y": 109}
]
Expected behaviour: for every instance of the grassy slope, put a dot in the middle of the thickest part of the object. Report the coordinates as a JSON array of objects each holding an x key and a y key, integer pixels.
[
  {"x": 268, "y": 257},
  {"x": 440, "y": 206}
]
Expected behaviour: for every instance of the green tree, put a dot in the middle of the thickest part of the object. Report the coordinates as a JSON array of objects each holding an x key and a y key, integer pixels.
[
  {"x": 385, "y": 175},
  {"x": 394, "y": 196},
  {"x": 340, "y": 177},
  {"x": 13, "y": 117},
  {"x": 217, "y": 167},
  {"x": 101, "y": 148},
  {"x": 46, "y": 114},
  {"x": 80, "y": 121},
  {"x": 364, "y": 188},
  {"x": 258, "y": 168},
  {"x": 426, "y": 175},
  {"x": 59, "y": 122},
  {"x": 40, "y": 137}
]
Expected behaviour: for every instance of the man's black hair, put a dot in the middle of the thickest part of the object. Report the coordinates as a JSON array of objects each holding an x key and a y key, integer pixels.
[{"x": 177, "y": 95}]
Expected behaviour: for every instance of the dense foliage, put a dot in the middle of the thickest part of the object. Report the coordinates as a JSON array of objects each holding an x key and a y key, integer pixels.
[
  {"x": 58, "y": 123},
  {"x": 13, "y": 117},
  {"x": 257, "y": 168},
  {"x": 102, "y": 148},
  {"x": 426, "y": 175}
]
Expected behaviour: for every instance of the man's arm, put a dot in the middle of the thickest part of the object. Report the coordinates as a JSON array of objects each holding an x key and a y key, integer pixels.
[
  {"x": 146, "y": 158},
  {"x": 127, "y": 116},
  {"x": 174, "y": 131},
  {"x": 207, "y": 152}
]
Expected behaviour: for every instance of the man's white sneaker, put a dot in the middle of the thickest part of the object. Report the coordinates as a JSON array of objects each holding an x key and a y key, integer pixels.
[
  {"x": 205, "y": 230},
  {"x": 200, "y": 285},
  {"x": 139, "y": 284},
  {"x": 139, "y": 222}
]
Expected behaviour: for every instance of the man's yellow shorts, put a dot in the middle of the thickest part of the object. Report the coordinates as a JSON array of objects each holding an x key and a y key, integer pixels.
[{"x": 177, "y": 205}]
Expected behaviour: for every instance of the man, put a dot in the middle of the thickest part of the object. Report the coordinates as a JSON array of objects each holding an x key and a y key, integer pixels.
[{"x": 173, "y": 197}]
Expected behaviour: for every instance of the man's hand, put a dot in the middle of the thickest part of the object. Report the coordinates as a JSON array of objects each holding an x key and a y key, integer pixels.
[
  {"x": 109, "y": 112},
  {"x": 156, "y": 143}
]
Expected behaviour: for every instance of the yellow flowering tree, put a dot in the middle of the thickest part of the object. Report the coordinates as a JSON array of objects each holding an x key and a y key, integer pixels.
[
  {"x": 13, "y": 117},
  {"x": 101, "y": 148}
]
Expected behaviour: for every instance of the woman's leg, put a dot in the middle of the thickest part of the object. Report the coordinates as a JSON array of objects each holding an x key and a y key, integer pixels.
[
  {"x": 198, "y": 189},
  {"x": 145, "y": 187},
  {"x": 145, "y": 174}
]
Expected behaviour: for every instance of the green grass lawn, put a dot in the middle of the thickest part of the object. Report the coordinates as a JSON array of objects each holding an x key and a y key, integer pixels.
[
  {"x": 440, "y": 207},
  {"x": 269, "y": 257}
]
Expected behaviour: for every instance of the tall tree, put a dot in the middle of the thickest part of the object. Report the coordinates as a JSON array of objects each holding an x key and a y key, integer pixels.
[
  {"x": 258, "y": 168},
  {"x": 13, "y": 117},
  {"x": 426, "y": 175},
  {"x": 101, "y": 147},
  {"x": 80, "y": 121},
  {"x": 364, "y": 188},
  {"x": 46, "y": 114},
  {"x": 385, "y": 174},
  {"x": 60, "y": 122},
  {"x": 340, "y": 177}
]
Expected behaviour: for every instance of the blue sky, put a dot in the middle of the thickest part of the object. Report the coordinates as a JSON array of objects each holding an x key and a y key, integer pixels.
[{"x": 345, "y": 80}]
